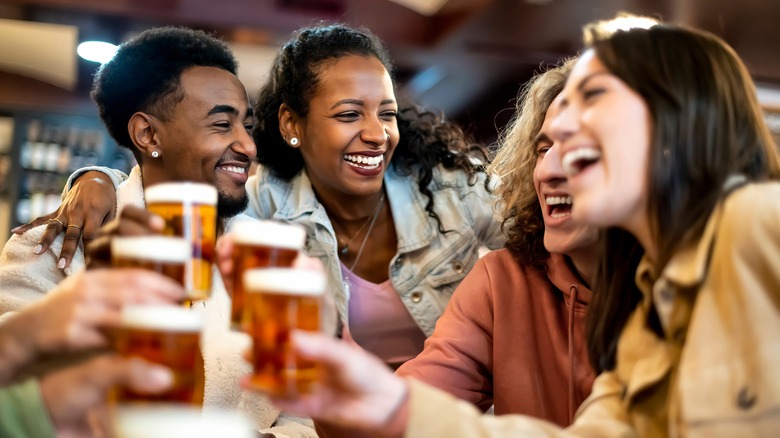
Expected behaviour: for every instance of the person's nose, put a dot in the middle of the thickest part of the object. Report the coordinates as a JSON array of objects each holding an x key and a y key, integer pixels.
[
  {"x": 565, "y": 124},
  {"x": 374, "y": 132},
  {"x": 245, "y": 144},
  {"x": 549, "y": 168}
]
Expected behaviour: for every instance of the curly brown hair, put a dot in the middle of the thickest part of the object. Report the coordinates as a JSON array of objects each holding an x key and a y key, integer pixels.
[{"x": 513, "y": 165}]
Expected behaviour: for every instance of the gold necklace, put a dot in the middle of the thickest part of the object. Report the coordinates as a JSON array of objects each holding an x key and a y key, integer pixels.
[{"x": 343, "y": 247}]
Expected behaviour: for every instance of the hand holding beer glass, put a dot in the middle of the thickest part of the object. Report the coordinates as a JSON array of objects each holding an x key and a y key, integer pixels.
[
  {"x": 259, "y": 244},
  {"x": 168, "y": 335},
  {"x": 280, "y": 300},
  {"x": 190, "y": 211}
]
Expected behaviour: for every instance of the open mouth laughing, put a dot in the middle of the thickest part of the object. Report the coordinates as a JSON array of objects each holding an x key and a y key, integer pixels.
[
  {"x": 558, "y": 206},
  {"x": 577, "y": 160},
  {"x": 364, "y": 161}
]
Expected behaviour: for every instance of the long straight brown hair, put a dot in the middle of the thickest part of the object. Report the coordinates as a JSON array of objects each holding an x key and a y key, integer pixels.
[{"x": 707, "y": 126}]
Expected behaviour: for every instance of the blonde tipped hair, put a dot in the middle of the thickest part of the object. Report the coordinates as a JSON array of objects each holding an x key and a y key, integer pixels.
[
  {"x": 513, "y": 165},
  {"x": 623, "y": 21}
]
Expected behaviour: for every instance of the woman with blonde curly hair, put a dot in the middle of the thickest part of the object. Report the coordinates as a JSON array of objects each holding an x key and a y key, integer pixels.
[{"x": 513, "y": 333}]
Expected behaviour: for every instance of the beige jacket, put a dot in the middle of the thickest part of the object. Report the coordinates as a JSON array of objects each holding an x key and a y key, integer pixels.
[
  {"x": 25, "y": 277},
  {"x": 715, "y": 371}
]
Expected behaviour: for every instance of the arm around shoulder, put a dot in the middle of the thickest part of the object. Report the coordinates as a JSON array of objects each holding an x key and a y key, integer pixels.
[{"x": 116, "y": 176}]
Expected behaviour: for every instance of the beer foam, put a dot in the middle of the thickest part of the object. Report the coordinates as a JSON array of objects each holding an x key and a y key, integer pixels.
[
  {"x": 152, "y": 248},
  {"x": 170, "y": 421},
  {"x": 288, "y": 281},
  {"x": 178, "y": 192},
  {"x": 268, "y": 233},
  {"x": 161, "y": 317}
]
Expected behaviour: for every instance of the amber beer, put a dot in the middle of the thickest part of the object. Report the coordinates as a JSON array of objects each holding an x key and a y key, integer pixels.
[
  {"x": 260, "y": 244},
  {"x": 167, "y": 335},
  {"x": 190, "y": 211},
  {"x": 280, "y": 300},
  {"x": 165, "y": 255}
]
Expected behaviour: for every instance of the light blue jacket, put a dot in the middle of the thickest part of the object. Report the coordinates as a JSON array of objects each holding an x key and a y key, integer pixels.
[{"x": 429, "y": 265}]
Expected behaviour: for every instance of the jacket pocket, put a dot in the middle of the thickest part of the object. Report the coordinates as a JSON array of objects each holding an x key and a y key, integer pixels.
[
  {"x": 452, "y": 264},
  {"x": 738, "y": 392}
]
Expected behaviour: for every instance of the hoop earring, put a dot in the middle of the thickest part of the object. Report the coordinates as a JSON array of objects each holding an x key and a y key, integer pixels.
[
  {"x": 294, "y": 141},
  {"x": 155, "y": 154}
]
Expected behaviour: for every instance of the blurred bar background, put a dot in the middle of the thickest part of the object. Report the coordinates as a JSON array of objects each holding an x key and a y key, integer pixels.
[{"x": 467, "y": 58}]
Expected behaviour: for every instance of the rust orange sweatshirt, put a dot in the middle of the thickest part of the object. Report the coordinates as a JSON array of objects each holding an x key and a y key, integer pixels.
[{"x": 512, "y": 336}]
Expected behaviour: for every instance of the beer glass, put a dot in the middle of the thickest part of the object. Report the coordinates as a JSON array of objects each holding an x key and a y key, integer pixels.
[
  {"x": 190, "y": 211},
  {"x": 280, "y": 300},
  {"x": 167, "y": 335},
  {"x": 179, "y": 422},
  {"x": 165, "y": 255},
  {"x": 260, "y": 244}
]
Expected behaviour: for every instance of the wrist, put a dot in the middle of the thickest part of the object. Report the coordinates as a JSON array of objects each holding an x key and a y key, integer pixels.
[{"x": 395, "y": 425}]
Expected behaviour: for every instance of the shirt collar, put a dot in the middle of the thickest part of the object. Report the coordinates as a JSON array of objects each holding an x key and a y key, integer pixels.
[{"x": 688, "y": 266}]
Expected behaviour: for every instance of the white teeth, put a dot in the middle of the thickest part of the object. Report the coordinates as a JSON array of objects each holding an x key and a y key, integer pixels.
[
  {"x": 572, "y": 157},
  {"x": 367, "y": 162},
  {"x": 557, "y": 215},
  {"x": 557, "y": 200},
  {"x": 234, "y": 169}
]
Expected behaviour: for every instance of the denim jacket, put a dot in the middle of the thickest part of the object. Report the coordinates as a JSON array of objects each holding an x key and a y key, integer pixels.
[{"x": 429, "y": 265}]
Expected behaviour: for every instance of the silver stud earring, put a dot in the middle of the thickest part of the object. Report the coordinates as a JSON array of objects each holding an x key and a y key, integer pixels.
[
  {"x": 294, "y": 141},
  {"x": 155, "y": 154}
]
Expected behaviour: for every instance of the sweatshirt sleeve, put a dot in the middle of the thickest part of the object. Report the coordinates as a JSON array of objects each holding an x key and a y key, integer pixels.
[
  {"x": 23, "y": 412},
  {"x": 457, "y": 358},
  {"x": 434, "y": 413}
]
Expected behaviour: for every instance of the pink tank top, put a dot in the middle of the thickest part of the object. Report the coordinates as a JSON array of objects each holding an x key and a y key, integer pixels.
[{"x": 379, "y": 321}]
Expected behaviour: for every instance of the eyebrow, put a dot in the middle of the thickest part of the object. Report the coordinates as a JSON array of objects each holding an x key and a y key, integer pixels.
[
  {"x": 219, "y": 109},
  {"x": 222, "y": 109},
  {"x": 540, "y": 137},
  {"x": 359, "y": 102}
]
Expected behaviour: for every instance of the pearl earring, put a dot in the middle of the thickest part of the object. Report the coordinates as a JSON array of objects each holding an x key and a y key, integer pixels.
[
  {"x": 294, "y": 141},
  {"x": 155, "y": 154}
]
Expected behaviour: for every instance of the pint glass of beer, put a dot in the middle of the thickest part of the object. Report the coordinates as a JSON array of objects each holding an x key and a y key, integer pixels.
[
  {"x": 260, "y": 244},
  {"x": 190, "y": 211},
  {"x": 165, "y": 255},
  {"x": 167, "y": 335},
  {"x": 280, "y": 300}
]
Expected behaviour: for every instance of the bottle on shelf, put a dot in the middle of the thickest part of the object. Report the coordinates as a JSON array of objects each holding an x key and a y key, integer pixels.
[
  {"x": 26, "y": 149},
  {"x": 52, "y": 150},
  {"x": 63, "y": 161}
]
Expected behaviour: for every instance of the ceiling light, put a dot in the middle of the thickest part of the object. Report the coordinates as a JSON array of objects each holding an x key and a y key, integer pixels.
[{"x": 96, "y": 51}]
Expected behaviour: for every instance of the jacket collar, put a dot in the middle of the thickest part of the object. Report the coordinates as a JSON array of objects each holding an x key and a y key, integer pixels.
[
  {"x": 412, "y": 225},
  {"x": 688, "y": 266}
]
